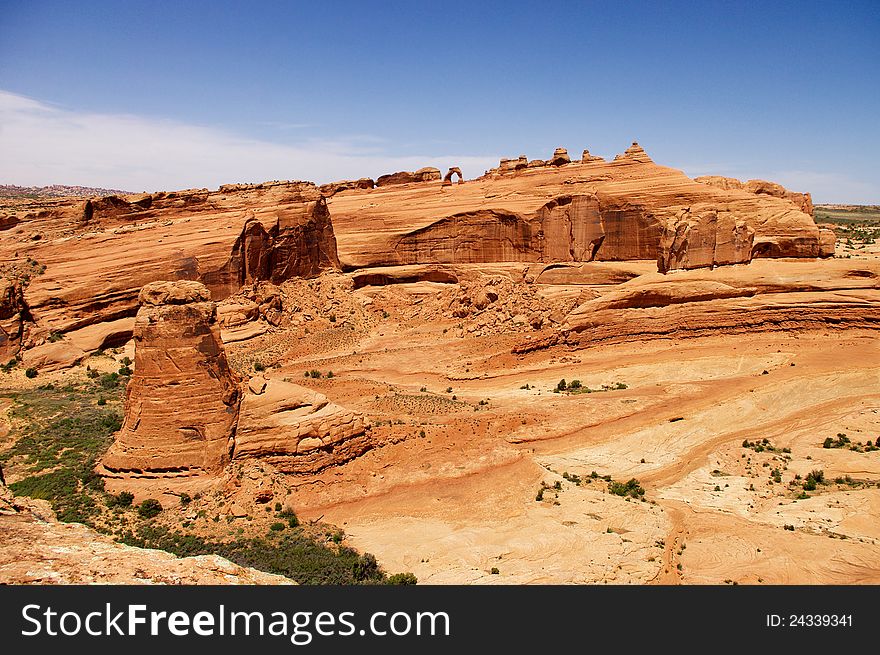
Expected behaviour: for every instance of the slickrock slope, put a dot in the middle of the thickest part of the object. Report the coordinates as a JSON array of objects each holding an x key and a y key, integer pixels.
[
  {"x": 95, "y": 256},
  {"x": 729, "y": 300},
  {"x": 629, "y": 208},
  {"x": 296, "y": 429},
  {"x": 37, "y": 549},
  {"x": 802, "y": 201},
  {"x": 182, "y": 402}
]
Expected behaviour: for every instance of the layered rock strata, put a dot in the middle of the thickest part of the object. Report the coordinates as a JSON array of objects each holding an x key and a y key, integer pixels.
[
  {"x": 629, "y": 208},
  {"x": 187, "y": 415},
  {"x": 182, "y": 403},
  {"x": 95, "y": 256}
]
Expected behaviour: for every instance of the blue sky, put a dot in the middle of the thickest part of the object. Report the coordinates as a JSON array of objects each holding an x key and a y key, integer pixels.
[{"x": 153, "y": 95}]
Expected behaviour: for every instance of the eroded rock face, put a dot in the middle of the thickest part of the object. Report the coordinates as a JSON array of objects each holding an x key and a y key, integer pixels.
[
  {"x": 802, "y": 201},
  {"x": 182, "y": 404},
  {"x": 13, "y": 317},
  {"x": 98, "y": 255},
  {"x": 427, "y": 174},
  {"x": 523, "y": 211},
  {"x": 704, "y": 240},
  {"x": 295, "y": 429}
]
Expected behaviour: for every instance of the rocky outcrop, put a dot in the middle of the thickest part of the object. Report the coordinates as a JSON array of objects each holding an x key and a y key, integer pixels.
[
  {"x": 297, "y": 243},
  {"x": 37, "y": 549},
  {"x": 447, "y": 179},
  {"x": 827, "y": 242},
  {"x": 295, "y": 429},
  {"x": 729, "y": 300},
  {"x": 586, "y": 157},
  {"x": 13, "y": 318},
  {"x": 187, "y": 415},
  {"x": 332, "y": 188},
  {"x": 803, "y": 201},
  {"x": 510, "y": 165},
  {"x": 630, "y": 208},
  {"x": 427, "y": 174},
  {"x": 182, "y": 404},
  {"x": 95, "y": 257},
  {"x": 560, "y": 157}
]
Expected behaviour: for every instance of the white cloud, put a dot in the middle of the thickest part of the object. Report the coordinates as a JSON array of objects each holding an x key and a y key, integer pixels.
[{"x": 41, "y": 144}]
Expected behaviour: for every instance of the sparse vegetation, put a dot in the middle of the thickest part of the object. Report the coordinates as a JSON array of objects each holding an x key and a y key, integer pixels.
[
  {"x": 576, "y": 386},
  {"x": 631, "y": 488},
  {"x": 149, "y": 508}
]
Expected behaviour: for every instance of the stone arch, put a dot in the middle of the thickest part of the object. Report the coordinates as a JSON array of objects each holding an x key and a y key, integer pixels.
[{"x": 455, "y": 170}]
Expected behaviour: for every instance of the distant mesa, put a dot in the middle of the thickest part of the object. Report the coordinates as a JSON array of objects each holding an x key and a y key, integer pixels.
[{"x": 56, "y": 191}]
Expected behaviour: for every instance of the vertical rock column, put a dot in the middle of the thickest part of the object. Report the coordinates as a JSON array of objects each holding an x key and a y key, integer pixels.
[{"x": 181, "y": 406}]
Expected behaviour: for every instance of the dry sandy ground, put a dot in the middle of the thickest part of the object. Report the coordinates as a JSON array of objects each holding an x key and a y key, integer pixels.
[{"x": 451, "y": 496}]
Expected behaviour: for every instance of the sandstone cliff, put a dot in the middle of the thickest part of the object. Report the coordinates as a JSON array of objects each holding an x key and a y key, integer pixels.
[
  {"x": 95, "y": 256},
  {"x": 559, "y": 210}
]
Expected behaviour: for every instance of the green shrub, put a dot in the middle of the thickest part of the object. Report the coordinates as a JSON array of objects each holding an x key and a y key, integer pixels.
[
  {"x": 494, "y": 570},
  {"x": 149, "y": 508},
  {"x": 278, "y": 526},
  {"x": 574, "y": 384},
  {"x": 109, "y": 380},
  {"x": 31, "y": 372},
  {"x": 185, "y": 499},
  {"x": 402, "y": 579},
  {"x": 259, "y": 366},
  {"x": 561, "y": 385},
  {"x": 630, "y": 488},
  {"x": 123, "y": 499}
]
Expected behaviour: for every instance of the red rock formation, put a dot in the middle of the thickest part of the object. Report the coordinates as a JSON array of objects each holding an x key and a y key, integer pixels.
[
  {"x": 332, "y": 188},
  {"x": 705, "y": 240},
  {"x": 13, "y": 317},
  {"x": 295, "y": 429},
  {"x": 94, "y": 269},
  {"x": 560, "y": 157},
  {"x": 182, "y": 404},
  {"x": 731, "y": 300},
  {"x": 802, "y": 201},
  {"x": 630, "y": 208},
  {"x": 427, "y": 174},
  {"x": 586, "y": 157},
  {"x": 447, "y": 179}
]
